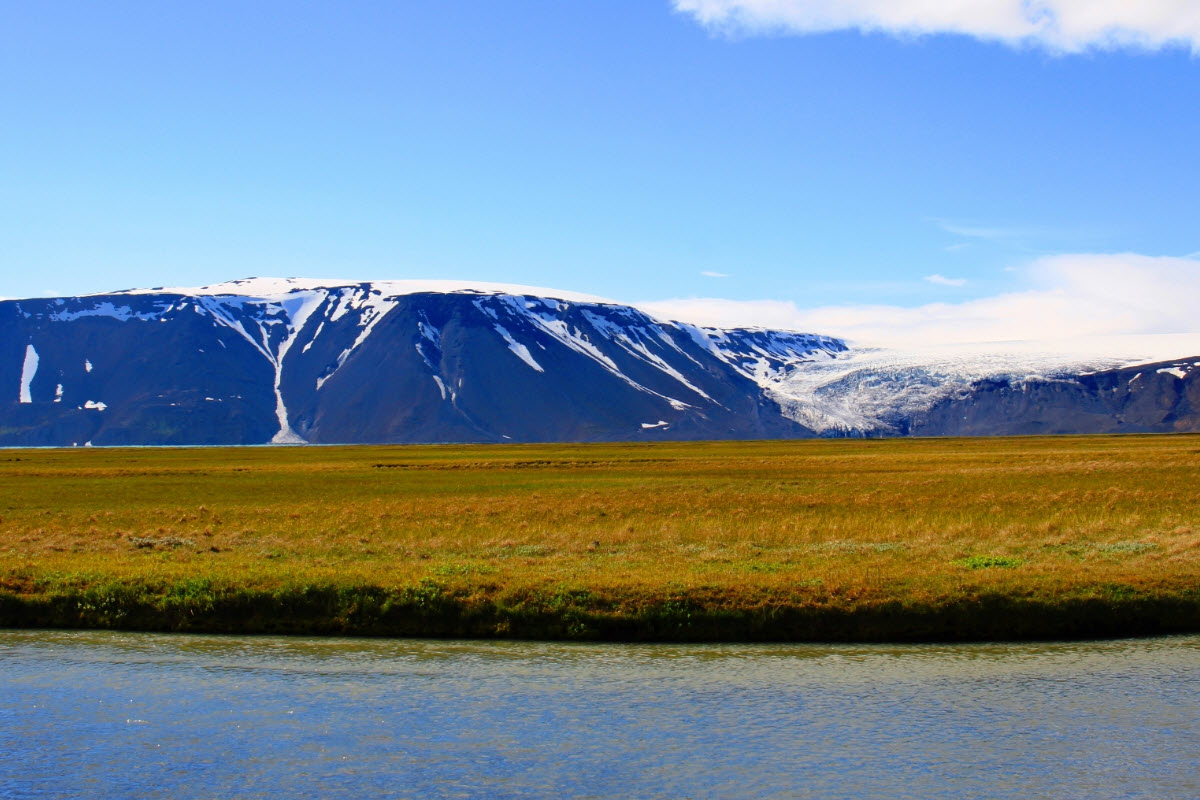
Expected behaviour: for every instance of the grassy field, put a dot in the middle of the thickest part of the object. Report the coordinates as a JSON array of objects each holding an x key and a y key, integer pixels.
[{"x": 811, "y": 540}]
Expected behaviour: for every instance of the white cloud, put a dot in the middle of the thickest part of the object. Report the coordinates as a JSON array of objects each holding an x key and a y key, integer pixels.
[
  {"x": 942, "y": 280},
  {"x": 1065, "y": 297},
  {"x": 710, "y": 274},
  {"x": 1057, "y": 25}
]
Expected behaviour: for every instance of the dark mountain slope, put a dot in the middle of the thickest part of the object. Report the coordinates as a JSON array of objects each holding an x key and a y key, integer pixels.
[{"x": 368, "y": 363}]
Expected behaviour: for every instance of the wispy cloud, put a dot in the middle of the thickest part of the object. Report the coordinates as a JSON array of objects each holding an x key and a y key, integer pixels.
[
  {"x": 1062, "y": 297},
  {"x": 1064, "y": 26},
  {"x": 942, "y": 280},
  {"x": 710, "y": 274},
  {"x": 982, "y": 231}
]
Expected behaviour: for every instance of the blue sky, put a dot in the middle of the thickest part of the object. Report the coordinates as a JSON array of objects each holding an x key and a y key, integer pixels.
[{"x": 814, "y": 154}]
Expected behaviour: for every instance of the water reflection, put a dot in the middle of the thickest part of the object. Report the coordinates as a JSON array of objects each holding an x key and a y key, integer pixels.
[{"x": 135, "y": 715}]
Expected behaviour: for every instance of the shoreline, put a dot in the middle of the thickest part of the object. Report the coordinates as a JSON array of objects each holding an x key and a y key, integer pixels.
[{"x": 432, "y": 611}]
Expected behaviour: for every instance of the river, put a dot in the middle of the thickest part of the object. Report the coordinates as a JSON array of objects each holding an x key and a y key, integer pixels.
[{"x": 114, "y": 715}]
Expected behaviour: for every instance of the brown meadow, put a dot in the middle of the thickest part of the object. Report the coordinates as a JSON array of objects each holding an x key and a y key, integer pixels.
[{"x": 827, "y": 539}]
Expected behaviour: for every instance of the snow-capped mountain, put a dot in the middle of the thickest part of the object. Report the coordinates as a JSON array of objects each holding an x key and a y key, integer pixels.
[
  {"x": 289, "y": 361},
  {"x": 322, "y": 361}
]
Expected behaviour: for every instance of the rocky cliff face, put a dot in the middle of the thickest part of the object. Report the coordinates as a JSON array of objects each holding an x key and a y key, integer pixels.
[{"x": 290, "y": 361}]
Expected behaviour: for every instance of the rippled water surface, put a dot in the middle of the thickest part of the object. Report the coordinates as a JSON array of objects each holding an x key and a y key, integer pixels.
[{"x": 140, "y": 715}]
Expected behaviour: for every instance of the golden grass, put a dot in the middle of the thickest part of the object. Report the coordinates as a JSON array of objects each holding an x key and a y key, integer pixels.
[{"x": 840, "y": 525}]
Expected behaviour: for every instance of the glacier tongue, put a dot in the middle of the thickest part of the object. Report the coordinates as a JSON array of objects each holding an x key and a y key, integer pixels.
[{"x": 869, "y": 390}]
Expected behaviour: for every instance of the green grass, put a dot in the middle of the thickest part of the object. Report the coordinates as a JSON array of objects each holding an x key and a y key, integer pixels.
[
  {"x": 834, "y": 540},
  {"x": 987, "y": 562}
]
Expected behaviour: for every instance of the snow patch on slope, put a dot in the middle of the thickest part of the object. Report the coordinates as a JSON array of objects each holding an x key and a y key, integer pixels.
[
  {"x": 28, "y": 370},
  {"x": 372, "y": 306},
  {"x": 765, "y": 356},
  {"x": 298, "y": 306},
  {"x": 521, "y": 350},
  {"x": 222, "y": 313},
  {"x": 544, "y": 317},
  {"x": 633, "y": 340}
]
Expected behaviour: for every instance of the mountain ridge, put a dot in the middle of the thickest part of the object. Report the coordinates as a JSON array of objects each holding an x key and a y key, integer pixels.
[
  {"x": 300, "y": 340},
  {"x": 302, "y": 360}
]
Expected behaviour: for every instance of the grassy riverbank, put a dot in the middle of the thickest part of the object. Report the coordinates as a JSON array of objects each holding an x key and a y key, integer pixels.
[{"x": 824, "y": 540}]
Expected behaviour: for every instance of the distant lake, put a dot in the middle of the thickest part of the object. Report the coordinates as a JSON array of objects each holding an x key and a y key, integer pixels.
[{"x": 108, "y": 715}]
